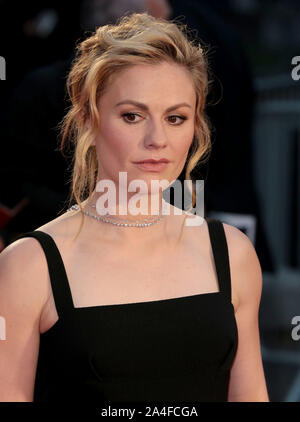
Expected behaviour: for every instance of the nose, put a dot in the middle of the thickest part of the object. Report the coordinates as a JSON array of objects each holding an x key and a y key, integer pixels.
[{"x": 156, "y": 137}]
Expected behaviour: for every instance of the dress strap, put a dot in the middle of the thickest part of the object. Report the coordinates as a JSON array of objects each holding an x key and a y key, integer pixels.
[
  {"x": 57, "y": 272},
  {"x": 220, "y": 253}
]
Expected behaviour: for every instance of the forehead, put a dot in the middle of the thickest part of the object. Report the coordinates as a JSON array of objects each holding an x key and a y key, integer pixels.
[{"x": 143, "y": 81}]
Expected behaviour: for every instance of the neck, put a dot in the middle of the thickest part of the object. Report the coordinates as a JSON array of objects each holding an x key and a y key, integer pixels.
[
  {"x": 142, "y": 210},
  {"x": 131, "y": 235}
]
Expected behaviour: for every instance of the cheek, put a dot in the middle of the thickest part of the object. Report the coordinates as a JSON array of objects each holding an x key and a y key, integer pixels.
[
  {"x": 112, "y": 141},
  {"x": 184, "y": 144}
]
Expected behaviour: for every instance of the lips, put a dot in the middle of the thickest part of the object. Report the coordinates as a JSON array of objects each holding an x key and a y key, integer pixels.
[
  {"x": 155, "y": 167},
  {"x": 151, "y": 160}
]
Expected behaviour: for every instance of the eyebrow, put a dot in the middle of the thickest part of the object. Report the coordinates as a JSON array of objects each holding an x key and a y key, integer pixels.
[{"x": 145, "y": 107}]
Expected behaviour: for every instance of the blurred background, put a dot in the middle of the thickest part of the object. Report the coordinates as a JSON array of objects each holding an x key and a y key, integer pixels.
[{"x": 252, "y": 180}]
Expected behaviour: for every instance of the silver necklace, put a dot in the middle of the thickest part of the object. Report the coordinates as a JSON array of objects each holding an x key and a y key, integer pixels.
[{"x": 138, "y": 223}]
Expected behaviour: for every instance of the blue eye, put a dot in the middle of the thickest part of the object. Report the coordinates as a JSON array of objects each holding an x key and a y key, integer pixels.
[{"x": 135, "y": 114}]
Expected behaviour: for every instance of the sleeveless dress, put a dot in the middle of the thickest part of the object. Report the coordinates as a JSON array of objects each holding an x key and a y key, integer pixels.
[{"x": 176, "y": 349}]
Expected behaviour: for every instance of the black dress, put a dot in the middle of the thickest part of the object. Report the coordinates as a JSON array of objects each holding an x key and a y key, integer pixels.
[{"x": 176, "y": 349}]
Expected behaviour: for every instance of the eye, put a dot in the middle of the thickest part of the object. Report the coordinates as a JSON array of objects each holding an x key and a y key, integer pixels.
[
  {"x": 135, "y": 114},
  {"x": 183, "y": 118},
  {"x": 130, "y": 114}
]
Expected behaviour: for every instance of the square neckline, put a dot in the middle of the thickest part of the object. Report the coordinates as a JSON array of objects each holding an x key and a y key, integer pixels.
[
  {"x": 49, "y": 245},
  {"x": 158, "y": 301},
  {"x": 139, "y": 303},
  {"x": 180, "y": 299}
]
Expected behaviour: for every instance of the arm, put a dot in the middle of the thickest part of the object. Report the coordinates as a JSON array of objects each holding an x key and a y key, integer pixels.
[
  {"x": 247, "y": 380},
  {"x": 23, "y": 293}
]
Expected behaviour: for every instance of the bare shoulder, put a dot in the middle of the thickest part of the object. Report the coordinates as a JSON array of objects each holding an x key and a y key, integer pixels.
[
  {"x": 236, "y": 237},
  {"x": 61, "y": 226},
  {"x": 24, "y": 268},
  {"x": 20, "y": 256},
  {"x": 23, "y": 273},
  {"x": 245, "y": 268},
  {"x": 240, "y": 247},
  {"x": 27, "y": 252}
]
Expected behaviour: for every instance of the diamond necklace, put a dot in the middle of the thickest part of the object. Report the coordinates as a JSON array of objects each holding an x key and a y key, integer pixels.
[{"x": 105, "y": 220}]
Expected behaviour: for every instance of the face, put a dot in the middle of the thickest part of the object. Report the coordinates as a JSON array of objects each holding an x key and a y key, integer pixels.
[{"x": 130, "y": 133}]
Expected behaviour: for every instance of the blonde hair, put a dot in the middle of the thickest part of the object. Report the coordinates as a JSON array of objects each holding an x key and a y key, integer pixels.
[{"x": 137, "y": 38}]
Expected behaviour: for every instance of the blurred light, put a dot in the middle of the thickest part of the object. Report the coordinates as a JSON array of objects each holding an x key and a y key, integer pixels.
[
  {"x": 244, "y": 6},
  {"x": 45, "y": 22}
]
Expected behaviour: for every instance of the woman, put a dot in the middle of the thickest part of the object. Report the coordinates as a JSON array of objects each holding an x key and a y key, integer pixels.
[{"x": 160, "y": 311}]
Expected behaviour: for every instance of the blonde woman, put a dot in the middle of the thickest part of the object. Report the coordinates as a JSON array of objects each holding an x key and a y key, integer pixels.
[{"x": 156, "y": 310}]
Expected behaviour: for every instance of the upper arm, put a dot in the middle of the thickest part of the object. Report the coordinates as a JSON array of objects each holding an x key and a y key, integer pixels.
[
  {"x": 21, "y": 301},
  {"x": 247, "y": 380}
]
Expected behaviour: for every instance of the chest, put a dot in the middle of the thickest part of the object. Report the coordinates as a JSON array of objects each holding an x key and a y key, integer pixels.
[
  {"x": 100, "y": 275},
  {"x": 119, "y": 277}
]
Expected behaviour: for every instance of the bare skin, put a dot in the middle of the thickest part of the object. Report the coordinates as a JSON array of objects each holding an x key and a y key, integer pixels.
[{"x": 100, "y": 273}]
